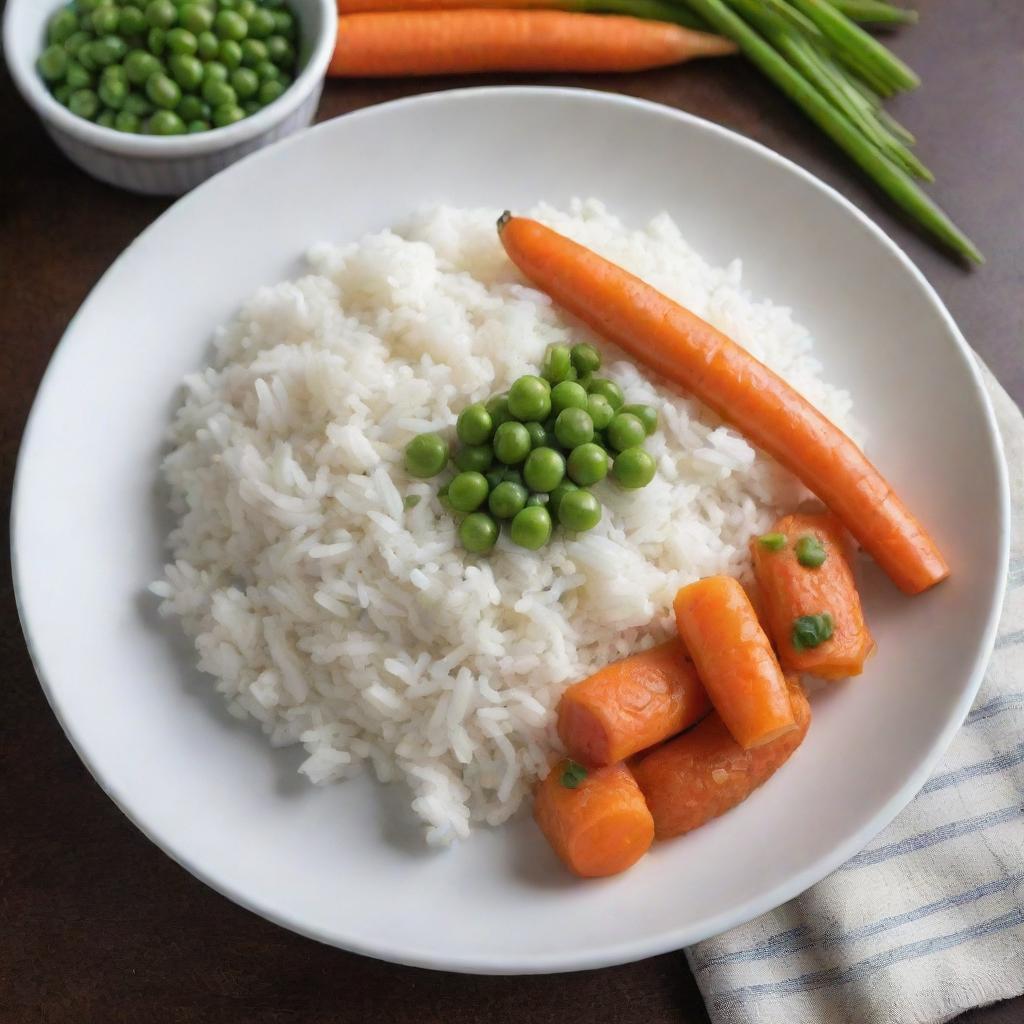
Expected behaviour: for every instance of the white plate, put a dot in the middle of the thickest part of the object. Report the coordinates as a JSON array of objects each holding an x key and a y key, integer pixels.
[{"x": 340, "y": 864}]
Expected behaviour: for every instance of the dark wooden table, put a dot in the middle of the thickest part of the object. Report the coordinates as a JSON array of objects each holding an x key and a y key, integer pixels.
[{"x": 98, "y": 925}]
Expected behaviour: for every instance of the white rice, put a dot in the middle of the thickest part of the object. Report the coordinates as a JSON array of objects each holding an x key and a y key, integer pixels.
[{"x": 342, "y": 621}]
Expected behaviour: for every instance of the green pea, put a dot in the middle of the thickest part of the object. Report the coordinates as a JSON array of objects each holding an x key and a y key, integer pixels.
[
  {"x": 113, "y": 92},
  {"x": 114, "y": 71},
  {"x": 198, "y": 126},
  {"x": 608, "y": 389},
  {"x": 497, "y": 408},
  {"x": 53, "y": 63},
  {"x": 474, "y": 425},
  {"x": 557, "y": 496},
  {"x": 600, "y": 411},
  {"x": 63, "y": 93},
  {"x": 87, "y": 6},
  {"x": 207, "y": 45},
  {"x": 126, "y": 121},
  {"x": 811, "y": 630},
  {"x": 245, "y": 83},
  {"x": 230, "y": 25},
  {"x": 529, "y": 398},
  {"x": 180, "y": 40},
  {"x": 270, "y": 91},
  {"x": 214, "y": 71},
  {"x": 467, "y": 491},
  {"x": 280, "y": 51},
  {"x": 156, "y": 41},
  {"x": 195, "y": 17},
  {"x": 511, "y": 443},
  {"x": 192, "y": 108},
  {"x": 556, "y": 365},
  {"x": 227, "y": 113},
  {"x": 165, "y": 122},
  {"x": 138, "y": 104},
  {"x": 104, "y": 20},
  {"x": 507, "y": 499},
  {"x": 544, "y": 469},
  {"x": 512, "y": 475},
  {"x": 131, "y": 21},
  {"x": 84, "y": 103},
  {"x": 77, "y": 77},
  {"x": 494, "y": 477},
  {"x": 567, "y": 395},
  {"x": 475, "y": 457},
  {"x": 646, "y": 414},
  {"x": 62, "y": 26},
  {"x": 108, "y": 50},
  {"x": 585, "y": 359},
  {"x": 573, "y": 428},
  {"x": 74, "y": 42},
  {"x": 772, "y": 541},
  {"x": 230, "y": 54},
  {"x": 216, "y": 93},
  {"x": 810, "y": 552},
  {"x": 531, "y": 528},
  {"x": 579, "y": 511},
  {"x": 139, "y": 65},
  {"x": 261, "y": 24},
  {"x": 254, "y": 53},
  {"x": 267, "y": 70},
  {"x": 538, "y": 435},
  {"x": 588, "y": 463},
  {"x": 536, "y": 499},
  {"x": 625, "y": 431},
  {"x": 250, "y": 107},
  {"x": 187, "y": 71},
  {"x": 634, "y": 468},
  {"x": 246, "y": 8},
  {"x": 163, "y": 91},
  {"x": 426, "y": 455},
  {"x": 161, "y": 13},
  {"x": 478, "y": 533}
]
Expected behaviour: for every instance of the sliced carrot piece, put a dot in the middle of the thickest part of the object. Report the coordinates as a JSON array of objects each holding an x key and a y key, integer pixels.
[
  {"x": 631, "y": 704},
  {"x": 705, "y": 772},
  {"x": 600, "y": 827},
  {"x": 790, "y": 590},
  {"x": 734, "y": 659}
]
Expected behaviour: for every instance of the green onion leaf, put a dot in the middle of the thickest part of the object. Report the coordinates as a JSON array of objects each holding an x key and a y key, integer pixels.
[
  {"x": 772, "y": 541},
  {"x": 810, "y": 552},
  {"x": 812, "y": 630},
  {"x": 573, "y": 774}
]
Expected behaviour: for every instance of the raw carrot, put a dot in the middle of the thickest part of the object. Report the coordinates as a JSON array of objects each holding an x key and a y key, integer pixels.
[
  {"x": 734, "y": 660},
  {"x": 463, "y": 41},
  {"x": 705, "y": 772},
  {"x": 790, "y": 590},
  {"x": 676, "y": 343},
  {"x": 630, "y": 705},
  {"x": 597, "y": 823}
]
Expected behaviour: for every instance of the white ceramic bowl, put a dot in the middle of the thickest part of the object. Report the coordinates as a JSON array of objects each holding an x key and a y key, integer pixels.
[{"x": 174, "y": 164}]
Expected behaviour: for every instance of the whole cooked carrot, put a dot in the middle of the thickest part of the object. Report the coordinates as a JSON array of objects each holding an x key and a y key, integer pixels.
[
  {"x": 596, "y": 821},
  {"x": 809, "y": 597},
  {"x": 463, "y": 41},
  {"x": 676, "y": 343},
  {"x": 734, "y": 660},
  {"x": 631, "y": 704},
  {"x": 705, "y": 772}
]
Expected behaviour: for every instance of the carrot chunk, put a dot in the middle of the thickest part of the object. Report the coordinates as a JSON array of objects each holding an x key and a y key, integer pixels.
[
  {"x": 734, "y": 659},
  {"x": 596, "y": 822},
  {"x": 630, "y": 705},
  {"x": 705, "y": 772}
]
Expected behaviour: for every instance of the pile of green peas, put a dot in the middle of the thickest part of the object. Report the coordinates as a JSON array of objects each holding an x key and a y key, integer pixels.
[
  {"x": 167, "y": 67},
  {"x": 528, "y": 457}
]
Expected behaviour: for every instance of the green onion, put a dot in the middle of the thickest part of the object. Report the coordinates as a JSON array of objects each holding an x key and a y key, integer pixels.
[
  {"x": 573, "y": 774},
  {"x": 875, "y": 12},
  {"x": 810, "y": 552},
  {"x": 811, "y": 630},
  {"x": 772, "y": 541}
]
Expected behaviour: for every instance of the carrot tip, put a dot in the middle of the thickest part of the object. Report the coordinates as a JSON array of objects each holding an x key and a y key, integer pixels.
[{"x": 504, "y": 219}]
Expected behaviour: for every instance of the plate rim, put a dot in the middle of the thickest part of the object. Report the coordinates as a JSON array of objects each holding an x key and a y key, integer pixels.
[{"x": 613, "y": 953}]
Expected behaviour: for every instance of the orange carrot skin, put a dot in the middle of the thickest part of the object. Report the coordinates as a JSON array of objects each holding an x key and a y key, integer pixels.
[
  {"x": 789, "y": 590},
  {"x": 676, "y": 343},
  {"x": 630, "y": 705},
  {"x": 389, "y": 43},
  {"x": 599, "y": 828},
  {"x": 705, "y": 772},
  {"x": 734, "y": 660}
]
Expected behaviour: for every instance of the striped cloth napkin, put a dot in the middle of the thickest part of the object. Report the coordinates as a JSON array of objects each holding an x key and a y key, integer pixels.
[{"x": 928, "y": 921}]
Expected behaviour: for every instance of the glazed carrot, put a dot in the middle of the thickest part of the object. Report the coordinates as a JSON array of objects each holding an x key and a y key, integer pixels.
[
  {"x": 630, "y": 705},
  {"x": 601, "y": 825},
  {"x": 705, "y": 772},
  {"x": 791, "y": 590},
  {"x": 462, "y": 41},
  {"x": 674, "y": 342},
  {"x": 734, "y": 660}
]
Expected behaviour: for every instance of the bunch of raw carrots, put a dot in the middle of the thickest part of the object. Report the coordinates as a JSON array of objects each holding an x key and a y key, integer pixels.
[{"x": 814, "y": 50}]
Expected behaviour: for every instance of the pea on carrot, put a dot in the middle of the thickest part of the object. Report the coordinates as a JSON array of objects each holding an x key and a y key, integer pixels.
[
  {"x": 432, "y": 42},
  {"x": 806, "y": 578},
  {"x": 596, "y": 820},
  {"x": 734, "y": 660},
  {"x": 690, "y": 352},
  {"x": 631, "y": 705},
  {"x": 705, "y": 772}
]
